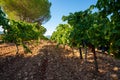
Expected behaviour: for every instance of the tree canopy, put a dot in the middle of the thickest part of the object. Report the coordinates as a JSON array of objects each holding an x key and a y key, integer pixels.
[{"x": 27, "y": 10}]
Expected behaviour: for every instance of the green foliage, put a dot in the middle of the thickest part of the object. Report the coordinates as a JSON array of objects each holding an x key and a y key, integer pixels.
[
  {"x": 99, "y": 29},
  {"x": 111, "y": 8},
  {"x": 28, "y": 10},
  {"x": 80, "y": 22},
  {"x": 18, "y": 31},
  {"x": 61, "y": 34},
  {"x": 87, "y": 28},
  {"x": 21, "y": 31}
]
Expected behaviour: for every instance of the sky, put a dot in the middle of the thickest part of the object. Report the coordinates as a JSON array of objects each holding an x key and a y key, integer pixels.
[{"x": 61, "y": 8}]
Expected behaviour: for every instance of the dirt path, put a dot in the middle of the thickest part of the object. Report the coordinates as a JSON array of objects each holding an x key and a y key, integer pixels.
[{"x": 51, "y": 63}]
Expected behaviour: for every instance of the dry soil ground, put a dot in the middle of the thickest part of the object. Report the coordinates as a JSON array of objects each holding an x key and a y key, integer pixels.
[{"x": 47, "y": 62}]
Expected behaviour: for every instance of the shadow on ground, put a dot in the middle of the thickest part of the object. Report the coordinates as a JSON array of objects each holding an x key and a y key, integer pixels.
[{"x": 52, "y": 63}]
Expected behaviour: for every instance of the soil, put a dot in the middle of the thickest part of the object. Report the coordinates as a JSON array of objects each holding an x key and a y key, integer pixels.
[{"x": 48, "y": 62}]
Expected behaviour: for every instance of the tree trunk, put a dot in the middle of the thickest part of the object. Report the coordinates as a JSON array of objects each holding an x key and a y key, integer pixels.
[
  {"x": 95, "y": 59},
  {"x": 17, "y": 50},
  {"x": 64, "y": 46},
  {"x": 85, "y": 53},
  {"x": 85, "y": 49},
  {"x": 72, "y": 51},
  {"x": 80, "y": 51}
]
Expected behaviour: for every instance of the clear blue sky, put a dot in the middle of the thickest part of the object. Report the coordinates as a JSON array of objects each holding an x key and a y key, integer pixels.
[{"x": 64, "y": 7}]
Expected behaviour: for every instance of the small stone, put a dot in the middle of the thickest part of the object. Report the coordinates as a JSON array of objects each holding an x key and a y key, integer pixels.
[
  {"x": 115, "y": 68},
  {"x": 31, "y": 77},
  {"x": 114, "y": 76},
  {"x": 26, "y": 78},
  {"x": 31, "y": 73},
  {"x": 39, "y": 64},
  {"x": 19, "y": 74},
  {"x": 26, "y": 73}
]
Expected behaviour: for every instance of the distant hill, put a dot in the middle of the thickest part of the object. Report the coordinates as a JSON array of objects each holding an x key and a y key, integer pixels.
[{"x": 48, "y": 36}]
